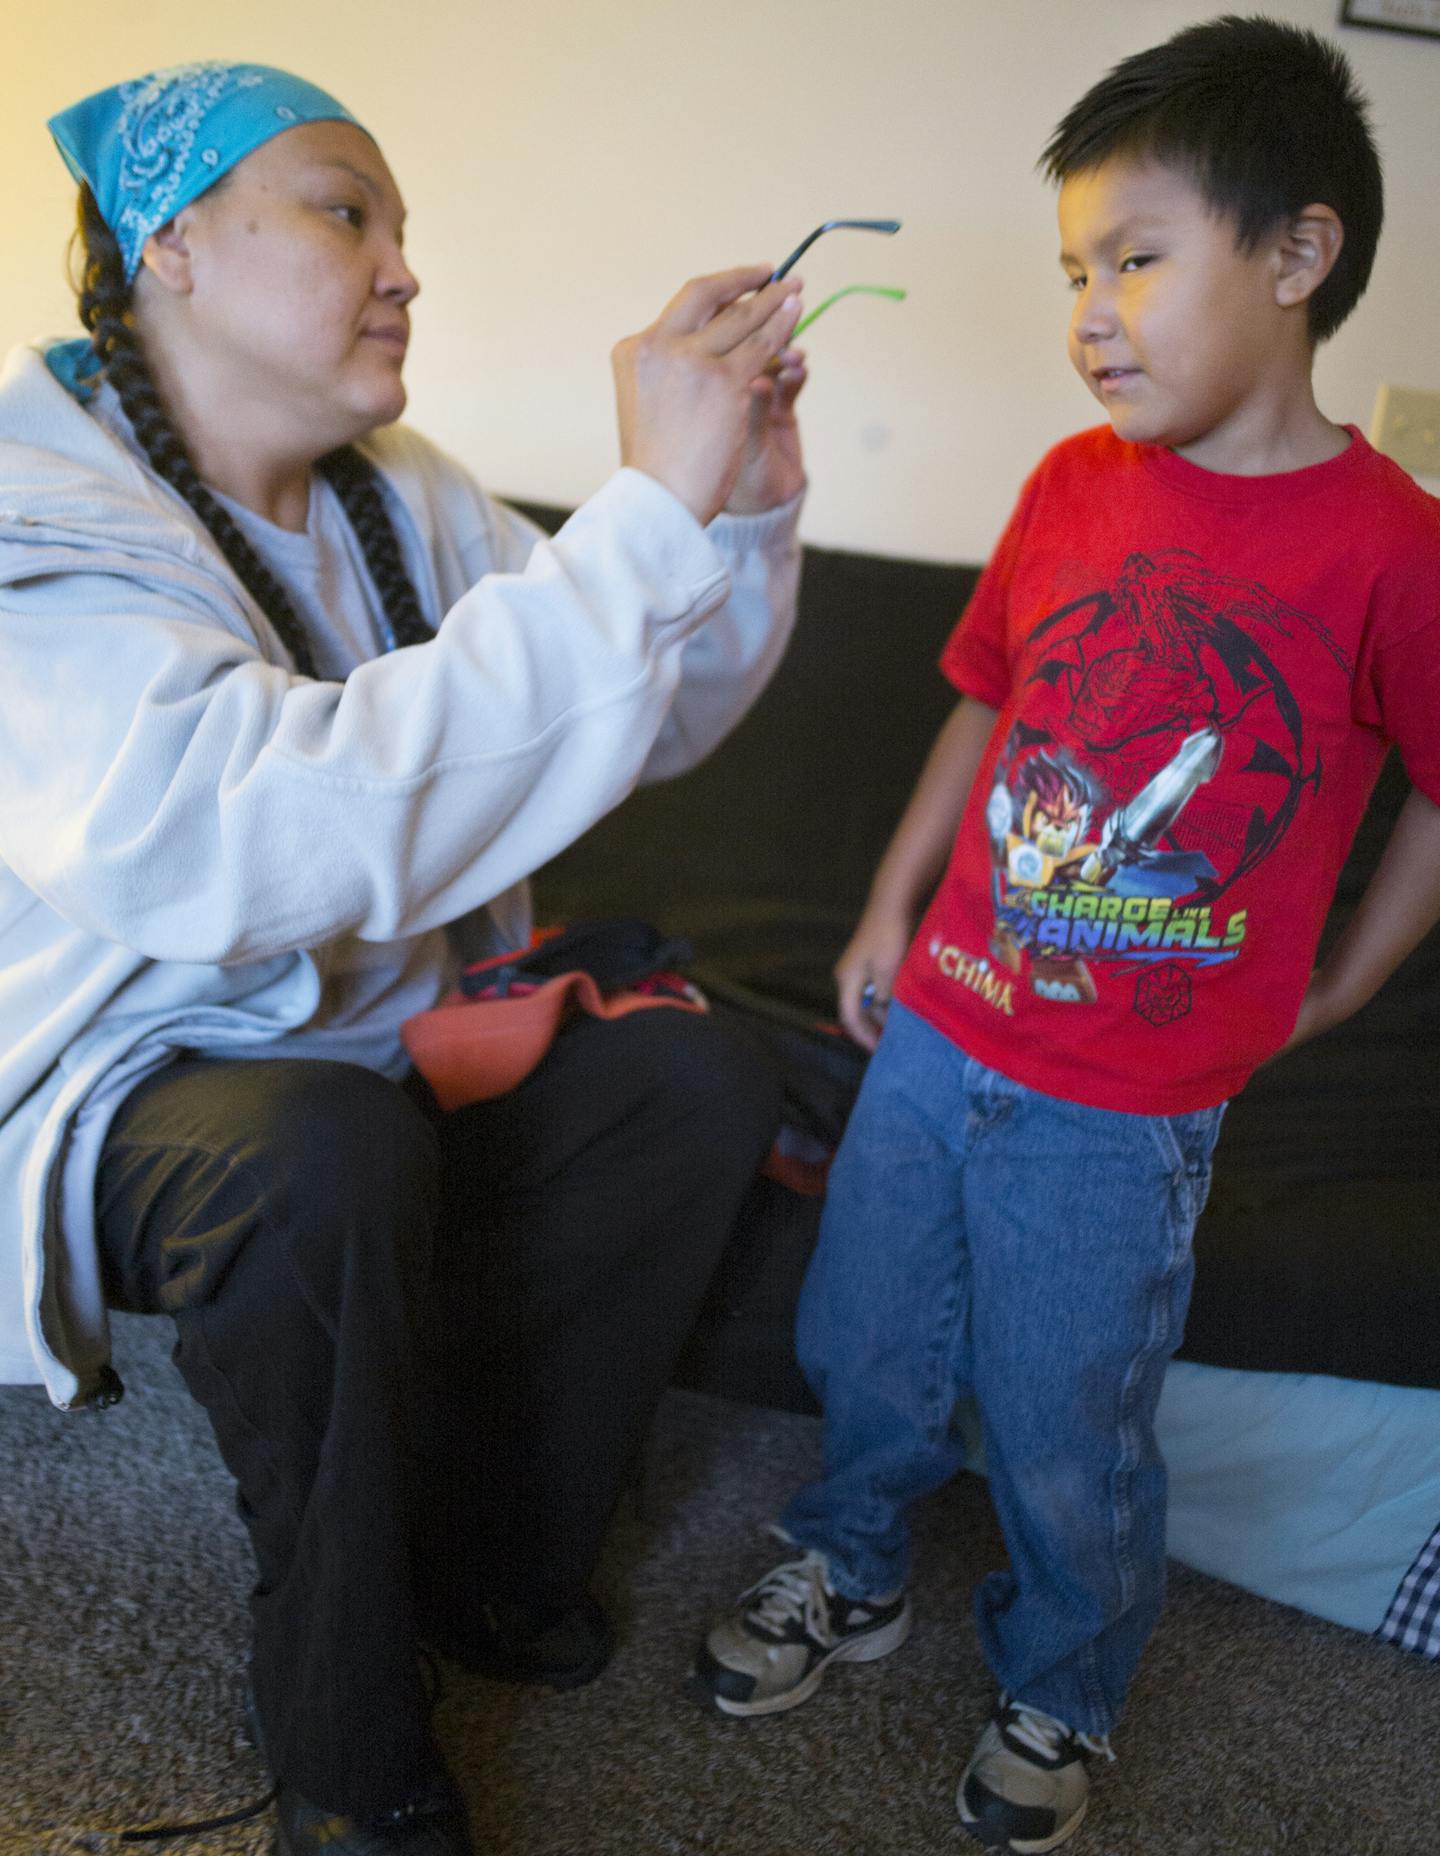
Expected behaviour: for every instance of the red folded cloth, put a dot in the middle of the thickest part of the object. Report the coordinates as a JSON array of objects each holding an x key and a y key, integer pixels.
[{"x": 469, "y": 1050}]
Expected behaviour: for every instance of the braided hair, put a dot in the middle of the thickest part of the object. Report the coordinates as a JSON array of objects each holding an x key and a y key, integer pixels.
[{"x": 106, "y": 313}]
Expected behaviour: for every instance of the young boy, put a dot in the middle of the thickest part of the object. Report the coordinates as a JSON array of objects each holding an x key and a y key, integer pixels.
[{"x": 1180, "y": 672}]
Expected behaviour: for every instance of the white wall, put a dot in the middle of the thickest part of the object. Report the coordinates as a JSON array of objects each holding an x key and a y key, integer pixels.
[{"x": 568, "y": 162}]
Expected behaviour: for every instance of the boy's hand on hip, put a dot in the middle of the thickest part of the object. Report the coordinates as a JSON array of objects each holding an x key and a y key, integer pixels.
[
  {"x": 695, "y": 404},
  {"x": 1400, "y": 906},
  {"x": 1318, "y": 1012}
]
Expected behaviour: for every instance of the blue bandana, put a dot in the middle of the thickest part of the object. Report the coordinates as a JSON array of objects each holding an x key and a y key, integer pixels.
[{"x": 147, "y": 148}]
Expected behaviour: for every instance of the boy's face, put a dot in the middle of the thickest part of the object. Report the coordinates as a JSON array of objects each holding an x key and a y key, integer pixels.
[{"x": 1175, "y": 330}]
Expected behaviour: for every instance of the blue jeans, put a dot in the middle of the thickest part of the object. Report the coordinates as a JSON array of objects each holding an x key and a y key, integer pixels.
[{"x": 982, "y": 1238}]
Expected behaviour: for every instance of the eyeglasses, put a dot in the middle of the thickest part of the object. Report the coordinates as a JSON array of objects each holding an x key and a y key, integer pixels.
[
  {"x": 834, "y": 225},
  {"x": 895, "y": 296}
]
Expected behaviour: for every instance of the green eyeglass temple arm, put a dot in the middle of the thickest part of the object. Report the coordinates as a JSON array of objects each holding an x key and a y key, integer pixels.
[{"x": 896, "y": 296}]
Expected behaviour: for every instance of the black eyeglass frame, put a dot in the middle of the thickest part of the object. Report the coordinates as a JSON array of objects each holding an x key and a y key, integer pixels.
[{"x": 833, "y": 225}]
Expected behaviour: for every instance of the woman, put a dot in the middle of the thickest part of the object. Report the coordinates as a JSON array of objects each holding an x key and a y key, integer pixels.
[{"x": 292, "y": 711}]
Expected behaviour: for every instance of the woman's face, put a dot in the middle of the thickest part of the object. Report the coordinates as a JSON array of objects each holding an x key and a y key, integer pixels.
[{"x": 298, "y": 292}]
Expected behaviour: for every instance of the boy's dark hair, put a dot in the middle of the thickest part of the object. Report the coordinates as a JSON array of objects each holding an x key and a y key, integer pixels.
[{"x": 1266, "y": 118}]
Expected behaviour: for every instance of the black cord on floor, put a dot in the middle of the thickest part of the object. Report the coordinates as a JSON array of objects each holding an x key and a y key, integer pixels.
[{"x": 158, "y": 1832}]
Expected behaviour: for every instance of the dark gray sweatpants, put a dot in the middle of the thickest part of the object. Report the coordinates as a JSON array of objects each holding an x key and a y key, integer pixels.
[{"x": 428, "y": 1345}]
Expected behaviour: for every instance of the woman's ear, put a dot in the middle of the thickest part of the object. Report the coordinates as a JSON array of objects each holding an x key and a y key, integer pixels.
[
  {"x": 166, "y": 255},
  {"x": 1307, "y": 250}
]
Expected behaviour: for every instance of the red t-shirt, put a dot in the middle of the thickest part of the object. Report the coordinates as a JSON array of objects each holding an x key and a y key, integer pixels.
[{"x": 1197, "y": 677}]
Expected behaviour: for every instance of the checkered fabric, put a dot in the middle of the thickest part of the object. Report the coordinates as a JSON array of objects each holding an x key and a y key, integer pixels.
[{"x": 1413, "y": 1620}]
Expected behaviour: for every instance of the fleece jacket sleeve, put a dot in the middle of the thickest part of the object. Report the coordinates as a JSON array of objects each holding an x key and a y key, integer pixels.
[
  {"x": 728, "y": 660},
  {"x": 164, "y": 786}
]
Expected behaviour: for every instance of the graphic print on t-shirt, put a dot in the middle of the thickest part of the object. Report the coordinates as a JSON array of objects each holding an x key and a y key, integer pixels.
[{"x": 1161, "y": 757}]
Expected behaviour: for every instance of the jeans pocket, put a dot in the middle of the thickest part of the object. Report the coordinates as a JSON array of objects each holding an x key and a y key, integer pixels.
[{"x": 1187, "y": 1145}]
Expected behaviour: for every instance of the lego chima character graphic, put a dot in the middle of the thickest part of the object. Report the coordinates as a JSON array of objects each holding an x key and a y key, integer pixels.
[
  {"x": 1173, "y": 648},
  {"x": 1041, "y": 818}
]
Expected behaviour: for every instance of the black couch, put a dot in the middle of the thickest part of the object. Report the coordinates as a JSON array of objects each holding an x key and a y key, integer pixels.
[{"x": 1318, "y": 1252}]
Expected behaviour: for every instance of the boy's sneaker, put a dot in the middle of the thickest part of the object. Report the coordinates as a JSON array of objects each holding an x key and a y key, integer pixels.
[
  {"x": 1027, "y": 1786},
  {"x": 771, "y": 1652}
]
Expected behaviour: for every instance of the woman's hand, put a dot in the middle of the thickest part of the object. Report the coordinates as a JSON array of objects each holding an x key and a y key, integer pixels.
[
  {"x": 772, "y": 470},
  {"x": 874, "y": 956},
  {"x": 696, "y": 405}
]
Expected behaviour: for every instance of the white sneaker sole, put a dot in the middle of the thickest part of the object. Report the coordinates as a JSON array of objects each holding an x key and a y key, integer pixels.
[
  {"x": 867, "y": 1649},
  {"x": 1021, "y": 1846}
]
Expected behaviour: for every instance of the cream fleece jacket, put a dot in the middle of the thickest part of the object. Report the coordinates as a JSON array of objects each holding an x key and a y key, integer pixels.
[{"x": 190, "y": 832}]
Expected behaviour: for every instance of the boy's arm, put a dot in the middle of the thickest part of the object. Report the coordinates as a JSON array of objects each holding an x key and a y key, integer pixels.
[
  {"x": 910, "y": 869},
  {"x": 1400, "y": 906}
]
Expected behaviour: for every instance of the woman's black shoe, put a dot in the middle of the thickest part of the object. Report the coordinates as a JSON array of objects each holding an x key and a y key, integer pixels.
[
  {"x": 434, "y": 1825},
  {"x": 562, "y": 1646}
]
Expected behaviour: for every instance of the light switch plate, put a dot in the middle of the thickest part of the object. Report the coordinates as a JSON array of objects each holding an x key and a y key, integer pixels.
[{"x": 1406, "y": 427}]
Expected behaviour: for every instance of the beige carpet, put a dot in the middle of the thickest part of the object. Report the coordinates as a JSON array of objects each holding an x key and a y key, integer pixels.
[{"x": 1253, "y": 1728}]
